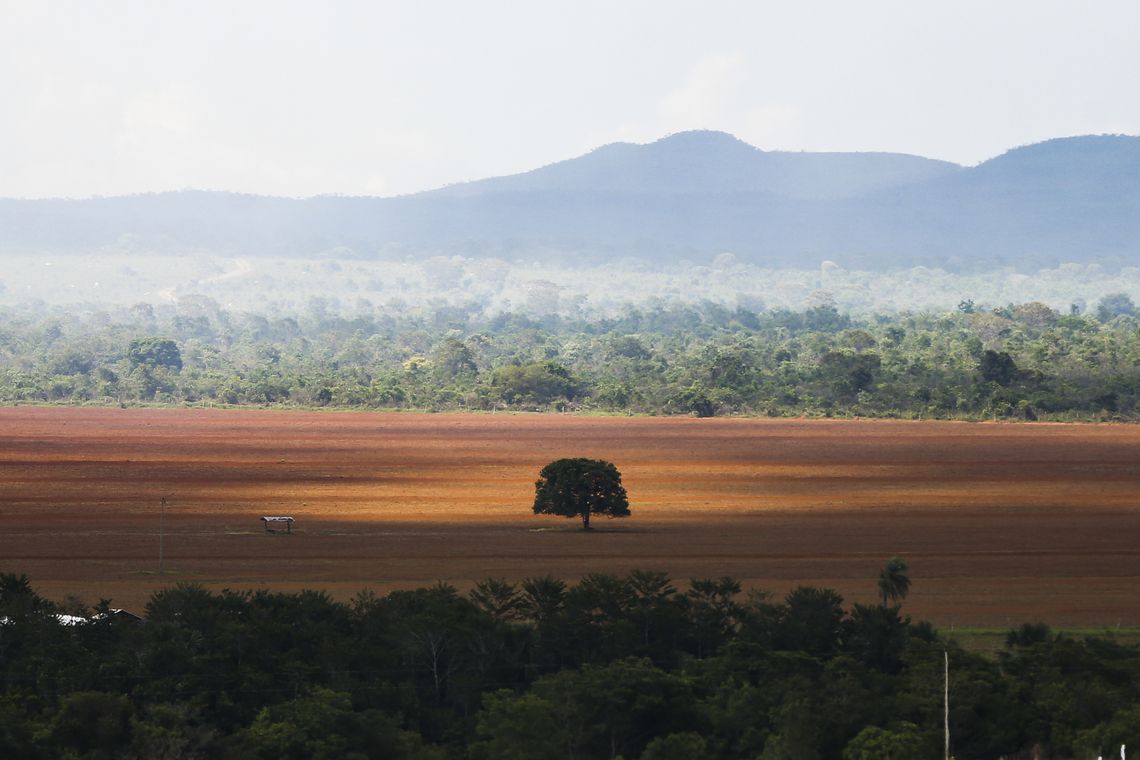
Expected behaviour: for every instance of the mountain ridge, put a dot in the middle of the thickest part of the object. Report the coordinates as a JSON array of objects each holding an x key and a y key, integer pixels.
[
  {"x": 681, "y": 155},
  {"x": 690, "y": 194}
]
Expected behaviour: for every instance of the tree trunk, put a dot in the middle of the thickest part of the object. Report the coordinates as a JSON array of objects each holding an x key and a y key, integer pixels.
[{"x": 586, "y": 520}]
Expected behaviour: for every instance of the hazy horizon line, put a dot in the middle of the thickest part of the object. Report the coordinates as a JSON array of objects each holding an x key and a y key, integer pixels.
[{"x": 338, "y": 194}]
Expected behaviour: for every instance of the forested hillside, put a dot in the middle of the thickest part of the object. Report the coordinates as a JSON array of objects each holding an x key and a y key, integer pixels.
[{"x": 1022, "y": 361}]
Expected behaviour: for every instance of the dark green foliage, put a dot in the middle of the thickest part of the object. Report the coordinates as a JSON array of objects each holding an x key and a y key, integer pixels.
[
  {"x": 901, "y": 742},
  {"x": 1020, "y": 361},
  {"x": 848, "y": 373},
  {"x": 1106, "y": 738},
  {"x": 171, "y": 731},
  {"x": 542, "y": 597},
  {"x": 323, "y": 725},
  {"x": 596, "y": 618},
  {"x": 894, "y": 583},
  {"x": 713, "y": 612},
  {"x": 812, "y": 621},
  {"x": 693, "y": 400},
  {"x": 876, "y": 636},
  {"x": 519, "y": 727},
  {"x": 997, "y": 367},
  {"x": 155, "y": 352},
  {"x": 1027, "y": 634},
  {"x": 17, "y": 729},
  {"x": 538, "y": 383},
  {"x": 683, "y": 746},
  {"x": 611, "y": 665},
  {"x": 629, "y": 347},
  {"x": 616, "y": 709},
  {"x": 93, "y": 723},
  {"x": 497, "y": 598},
  {"x": 580, "y": 487},
  {"x": 454, "y": 359},
  {"x": 18, "y": 599}
]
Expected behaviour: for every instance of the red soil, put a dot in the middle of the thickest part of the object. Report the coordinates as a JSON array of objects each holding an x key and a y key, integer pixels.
[{"x": 1001, "y": 523}]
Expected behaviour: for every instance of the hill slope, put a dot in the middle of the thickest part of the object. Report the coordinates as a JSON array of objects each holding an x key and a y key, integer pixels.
[{"x": 693, "y": 195}]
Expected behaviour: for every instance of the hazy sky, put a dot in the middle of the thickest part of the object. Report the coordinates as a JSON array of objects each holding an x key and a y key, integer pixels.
[{"x": 290, "y": 98}]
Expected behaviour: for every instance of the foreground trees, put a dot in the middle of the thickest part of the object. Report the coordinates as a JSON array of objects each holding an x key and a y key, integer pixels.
[
  {"x": 580, "y": 488},
  {"x": 894, "y": 583},
  {"x": 612, "y": 665}
]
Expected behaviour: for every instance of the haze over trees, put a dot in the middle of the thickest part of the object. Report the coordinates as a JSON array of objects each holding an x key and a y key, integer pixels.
[{"x": 1021, "y": 361}]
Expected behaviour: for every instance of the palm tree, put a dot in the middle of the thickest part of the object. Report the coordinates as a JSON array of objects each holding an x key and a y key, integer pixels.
[{"x": 894, "y": 582}]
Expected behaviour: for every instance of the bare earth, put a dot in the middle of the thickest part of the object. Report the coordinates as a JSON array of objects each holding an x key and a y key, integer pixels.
[{"x": 1001, "y": 523}]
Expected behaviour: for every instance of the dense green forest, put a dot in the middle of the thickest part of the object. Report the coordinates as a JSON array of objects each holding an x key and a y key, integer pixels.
[
  {"x": 608, "y": 667},
  {"x": 1023, "y": 361}
]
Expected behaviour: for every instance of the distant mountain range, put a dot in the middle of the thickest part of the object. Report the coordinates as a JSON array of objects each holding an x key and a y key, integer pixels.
[{"x": 688, "y": 196}]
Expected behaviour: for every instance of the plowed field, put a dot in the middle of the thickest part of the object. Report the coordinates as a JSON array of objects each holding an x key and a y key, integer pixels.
[{"x": 1001, "y": 523}]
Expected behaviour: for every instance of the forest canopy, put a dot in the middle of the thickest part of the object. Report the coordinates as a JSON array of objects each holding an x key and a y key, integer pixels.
[
  {"x": 1023, "y": 361},
  {"x": 634, "y": 665}
]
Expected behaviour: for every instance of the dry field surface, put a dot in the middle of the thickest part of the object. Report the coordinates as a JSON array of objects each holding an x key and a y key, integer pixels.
[{"x": 1001, "y": 523}]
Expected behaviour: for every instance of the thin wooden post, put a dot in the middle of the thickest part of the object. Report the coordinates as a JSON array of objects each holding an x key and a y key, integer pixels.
[
  {"x": 161, "y": 534},
  {"x": 946, "y": 703}
]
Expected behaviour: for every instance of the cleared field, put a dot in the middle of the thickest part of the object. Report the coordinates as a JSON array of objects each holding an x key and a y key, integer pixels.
[{"x": 1001, "y": 523}]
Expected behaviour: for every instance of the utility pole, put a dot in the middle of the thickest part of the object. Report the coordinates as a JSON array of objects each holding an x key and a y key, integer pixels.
[
  {"x": 946, "y": 703},
  {"x": 161, "y": 534}
]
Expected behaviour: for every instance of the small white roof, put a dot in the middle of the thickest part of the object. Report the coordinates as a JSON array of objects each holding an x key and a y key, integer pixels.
[
  {"x": 278, "y": 519},
  {"x": 61, "y": 619}
]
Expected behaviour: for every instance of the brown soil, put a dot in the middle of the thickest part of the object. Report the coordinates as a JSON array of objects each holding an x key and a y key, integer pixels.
[{"x": 1001, "y": 523}]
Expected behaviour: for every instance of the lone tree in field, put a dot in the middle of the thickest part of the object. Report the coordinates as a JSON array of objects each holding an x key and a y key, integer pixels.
[
  {"x": 894, "y": 582},
  {"x": 573, "y": 487}
]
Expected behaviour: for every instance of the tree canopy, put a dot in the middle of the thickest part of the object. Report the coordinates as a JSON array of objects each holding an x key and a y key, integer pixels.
[
  {"x": 580, "y": 487},
  {"x": 894, "y": 583},
  {"x": 155, "y": 352},
  {"x": 1020, "y": 361},
  {"x": 611, "y": 665}
]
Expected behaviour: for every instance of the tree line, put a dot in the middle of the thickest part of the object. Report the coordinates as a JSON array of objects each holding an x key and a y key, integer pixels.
[
  {"x": 630, "y": 666},
  {"x": 1023, "y": 361}
]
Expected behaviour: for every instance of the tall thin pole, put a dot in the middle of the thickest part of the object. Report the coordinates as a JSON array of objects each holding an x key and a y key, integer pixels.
[
  {"x": 161, "y": 534},
  {"x": 946, "y": 703}
]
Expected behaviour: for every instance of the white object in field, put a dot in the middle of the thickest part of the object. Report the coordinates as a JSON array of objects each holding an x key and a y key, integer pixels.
[{"x": 278, "y": 520}]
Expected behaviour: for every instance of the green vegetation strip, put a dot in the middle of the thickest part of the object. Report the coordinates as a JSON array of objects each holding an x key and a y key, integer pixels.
[
  {"x": 611, "y": 666},
  {"x": 1021, "y": 361}
]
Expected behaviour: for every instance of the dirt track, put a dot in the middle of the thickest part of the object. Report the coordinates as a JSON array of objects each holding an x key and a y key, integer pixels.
[{"x": 1000, "y": 523}]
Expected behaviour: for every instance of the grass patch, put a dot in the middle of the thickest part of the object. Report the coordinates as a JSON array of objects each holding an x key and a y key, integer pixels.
[
  {"x": 163, "y": 573},
  {"x": 989, "y": 640}
]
